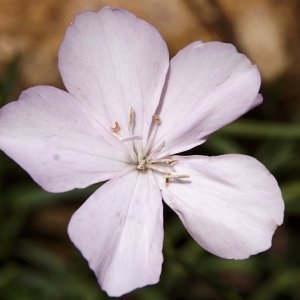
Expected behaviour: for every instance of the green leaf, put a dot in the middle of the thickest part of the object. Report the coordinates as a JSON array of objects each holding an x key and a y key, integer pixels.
[
  {"x": 262, "y": 129},
  {"x": 8, "y": 82},
  {"x": 30, "y": 197},
  {"x": 291, "y": 195}
]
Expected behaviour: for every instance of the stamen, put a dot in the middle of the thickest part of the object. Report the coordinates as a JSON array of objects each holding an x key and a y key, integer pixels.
[
  {"x": 170, "y": 176},
  {"x": 116, "y": 130},
  {"x": 144, "y": 160},
  {"x": 131, "y": 119},
  {"x": 156, "y": 122},
  {"x": 168, "y": 161},
  {"x": 159, "y": 168},
  {"x": 136, "y": 144},
  {"x": 159, "y": 165},
  {"x": 157, "y": 149},
  {"x": 167, "y": 182},
  {"x": 176, "y": 176},
  {"x": 156, "y": 119}
]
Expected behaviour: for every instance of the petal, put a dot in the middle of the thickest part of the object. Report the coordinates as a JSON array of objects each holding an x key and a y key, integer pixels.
[
  {"x": 113, "y": 62},
  {"x": 209, "y": 85},
  {"x": 52, "y": 137},
  {"x": 119, "y": 230},
  {"x": 231, "y": 205}
]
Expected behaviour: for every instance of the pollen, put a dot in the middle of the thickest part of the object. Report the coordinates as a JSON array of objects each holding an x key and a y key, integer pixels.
[
  {"x": 142, "y": 165},
  {"x": 131, "y": 119},
  {"x": 170, "y": 176},
  {"x": 116, "y": 129},
  {"x": 156, "y": 119}
]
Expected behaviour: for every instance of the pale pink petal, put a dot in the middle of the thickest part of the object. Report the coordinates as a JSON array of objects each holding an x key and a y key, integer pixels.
[
  {"x": 209, "y": 85},
  {"x": 113, "y": 62},
  {"x": 231, "y": 204},
  {"x": 119, "y": 230},
  {"x": 57, "y": 142}
]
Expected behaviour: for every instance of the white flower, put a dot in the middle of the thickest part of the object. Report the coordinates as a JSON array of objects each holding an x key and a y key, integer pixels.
[{"x": 127, "y": 111}]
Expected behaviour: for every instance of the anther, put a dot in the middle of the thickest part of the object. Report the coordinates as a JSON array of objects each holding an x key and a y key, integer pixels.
[
  {"x": 170, "y": 176},
  {"x": 167, "y": 182},
  {"x": 156, "y": 119},
  {"x": 168, "y": 161},
  {"x": 116, "y": 129},
  {"x": 176, "y": 176},
  {"x": 131, "y": 119}
]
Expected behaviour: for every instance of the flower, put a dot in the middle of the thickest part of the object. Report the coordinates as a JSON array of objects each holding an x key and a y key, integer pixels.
[{"x": 126, "y": 111}]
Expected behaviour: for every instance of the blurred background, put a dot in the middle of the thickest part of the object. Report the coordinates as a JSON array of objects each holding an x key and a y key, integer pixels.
[{"x": 37, "y": 260}]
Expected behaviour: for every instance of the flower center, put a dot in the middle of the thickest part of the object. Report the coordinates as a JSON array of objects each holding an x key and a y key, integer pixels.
[
  {"x": 162, "y": 166},
  {"x": 146, "y": 159}
]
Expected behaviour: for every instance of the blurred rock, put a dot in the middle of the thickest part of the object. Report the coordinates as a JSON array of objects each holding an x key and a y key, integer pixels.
[
  {"x": 266, "y": 30},
  {"x": 262, "y": 29}
]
